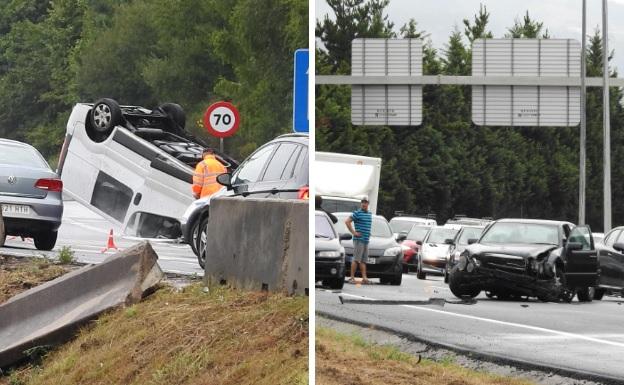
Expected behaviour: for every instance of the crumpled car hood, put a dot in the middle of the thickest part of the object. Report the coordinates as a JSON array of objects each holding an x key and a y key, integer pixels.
[{"x": 517, "y": 250}]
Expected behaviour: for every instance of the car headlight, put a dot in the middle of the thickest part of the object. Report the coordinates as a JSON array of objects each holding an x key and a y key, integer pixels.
[
  {"x": 393, "y": 251},
  {"x": 328, "y": 254}
]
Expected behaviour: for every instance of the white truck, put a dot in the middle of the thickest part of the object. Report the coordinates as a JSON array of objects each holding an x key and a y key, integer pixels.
[{"x": 343, "y": 179}]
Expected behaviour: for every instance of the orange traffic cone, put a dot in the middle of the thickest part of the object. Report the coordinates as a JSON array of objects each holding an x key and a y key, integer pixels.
[{"x": 111, "y": 243}]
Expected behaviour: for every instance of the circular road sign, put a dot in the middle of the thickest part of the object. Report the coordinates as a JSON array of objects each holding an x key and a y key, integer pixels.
[{"x": 221, "y": 119}]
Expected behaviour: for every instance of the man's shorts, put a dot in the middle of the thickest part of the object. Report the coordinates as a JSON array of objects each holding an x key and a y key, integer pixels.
[{"x": 360, "y": 251}]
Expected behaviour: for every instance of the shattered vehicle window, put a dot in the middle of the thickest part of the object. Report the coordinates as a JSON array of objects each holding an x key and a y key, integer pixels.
[{"x": 530, "y": 233}]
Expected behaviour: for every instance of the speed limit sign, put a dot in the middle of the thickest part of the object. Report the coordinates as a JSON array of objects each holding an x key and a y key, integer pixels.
[{"x": 221, "y": 119}]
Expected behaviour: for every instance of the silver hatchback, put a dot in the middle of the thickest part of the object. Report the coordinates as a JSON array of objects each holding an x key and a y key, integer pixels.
[{"x": 30, "y": 194}]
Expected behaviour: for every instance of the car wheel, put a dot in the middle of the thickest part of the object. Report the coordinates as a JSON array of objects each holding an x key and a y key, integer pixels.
[
  {"x": 202, "y": 242},
  {"x": 446, "y": 276},
  {"x": 334, "y": 283},
  {"x": 46, "y": 241},
  {"x": 457, "y": 289},
  {"x": 396, "y": 280},
  {"x": 598, "y": 294},
  {"x": 105, "y": 115},
  {"x": 405, "y": 269},
  {"x": 565, "y": 293},
  {"x": 586, "y": 294},
  {"x": 193, "y": 242},
  {"x": 175, "y": 112},
  {"x": 420, "y": 274},
  {"x": 2, "y": 230}
]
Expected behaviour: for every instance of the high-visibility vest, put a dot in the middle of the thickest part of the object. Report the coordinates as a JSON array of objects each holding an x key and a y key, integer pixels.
[{"x": 205, "y": 177}]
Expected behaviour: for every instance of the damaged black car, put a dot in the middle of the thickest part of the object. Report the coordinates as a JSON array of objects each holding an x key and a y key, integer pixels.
[{"x": 513, "y": 258}]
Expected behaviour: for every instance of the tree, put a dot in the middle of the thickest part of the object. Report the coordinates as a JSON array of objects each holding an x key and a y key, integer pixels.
[{"x": 528, "y": 28}]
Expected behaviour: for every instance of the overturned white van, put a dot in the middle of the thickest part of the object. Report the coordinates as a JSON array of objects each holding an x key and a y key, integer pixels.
[{"x": 132, "y": 165}]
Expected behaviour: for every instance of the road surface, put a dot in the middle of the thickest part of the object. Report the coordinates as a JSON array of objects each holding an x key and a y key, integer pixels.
[
  {"x": 87, "y": 234},
  {"x": 579, "y": 337}
]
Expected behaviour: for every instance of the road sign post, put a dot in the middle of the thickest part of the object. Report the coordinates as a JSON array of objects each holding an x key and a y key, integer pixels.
[{"x": 301, "y": 121}]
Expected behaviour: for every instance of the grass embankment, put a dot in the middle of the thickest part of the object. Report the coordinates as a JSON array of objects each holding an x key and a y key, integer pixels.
[
  {"x": 20, "y": 274},
  {"x": 173, "y": 337},
  {"x": 350, "y": 359}
]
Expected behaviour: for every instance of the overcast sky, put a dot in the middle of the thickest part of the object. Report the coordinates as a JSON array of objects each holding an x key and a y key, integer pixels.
[{"x": 563, "y": 18}]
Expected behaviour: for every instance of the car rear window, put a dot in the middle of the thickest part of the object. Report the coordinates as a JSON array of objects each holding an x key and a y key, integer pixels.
[{"x": 21, "y": 156}]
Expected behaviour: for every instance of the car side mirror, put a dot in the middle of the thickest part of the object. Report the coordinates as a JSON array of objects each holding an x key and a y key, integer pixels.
[
  {"x": 419, "y": 243},
  {"x": 225, "y": 179},
  {"x": 345, "y": 237},
  {"x": 619, "y": 246},
  {"x": 472, "y": 240},
  {"x": 401, "y": 237},
  {"x": 574, "y": 246},
  {"x": 448, "y": 241}
]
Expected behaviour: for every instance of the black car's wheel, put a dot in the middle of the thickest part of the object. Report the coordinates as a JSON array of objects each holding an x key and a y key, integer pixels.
[
  {"x": 202, "y": 242},
  {"x": 459, "y": 290},
  {"x": 45, "y": 241},
  {"x": 194, "y": 241},
  {"x": 405, "y": 268},
  {"x": 104, "y": 116},
  {"x": 420, "y": 274},
  {"x": 175, "y": 112},
  {"x": 566, "y": 294},
  {"x": 334, "y": 283},
  {"x": 586, "y": 294},
  {"x": 396, "y": 279},
  {"x": 598, "y": 294},
  {"x": 446, "y": 275}
]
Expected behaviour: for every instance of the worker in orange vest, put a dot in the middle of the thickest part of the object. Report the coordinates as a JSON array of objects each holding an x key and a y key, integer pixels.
[{"x": 205, "y": 177}]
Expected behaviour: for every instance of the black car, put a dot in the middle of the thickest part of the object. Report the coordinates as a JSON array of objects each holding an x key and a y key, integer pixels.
[
  {"x": 385, "y": 255},
  {"x": 611, "y": 262},
  {"x": 550, "y": 260},
  {"x": 329, "y": 259},
  {"x": 459, "y": 244},
  {"x": 278, "y": 169}
]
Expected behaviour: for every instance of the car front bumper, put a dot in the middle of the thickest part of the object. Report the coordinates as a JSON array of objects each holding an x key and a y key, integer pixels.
[{"x": 324, "y": 269}]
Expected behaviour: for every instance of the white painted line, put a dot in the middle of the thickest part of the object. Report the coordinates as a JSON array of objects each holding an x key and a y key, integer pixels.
[{"x": 497, "y": 322}]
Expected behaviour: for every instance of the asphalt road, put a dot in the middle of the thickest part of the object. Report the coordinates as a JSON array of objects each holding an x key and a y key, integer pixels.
[
  {"x": 87, "y": 234},
  {"x": 585, "y": 337}
]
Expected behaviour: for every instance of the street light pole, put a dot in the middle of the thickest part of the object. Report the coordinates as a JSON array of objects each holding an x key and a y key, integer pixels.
[
  {"x": 605, "y": 121},
  {"x": 582, "y": 155}
]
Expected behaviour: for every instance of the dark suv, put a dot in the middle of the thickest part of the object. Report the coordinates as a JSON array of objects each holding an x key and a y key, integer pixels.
[{"x": 278, "y": 169}]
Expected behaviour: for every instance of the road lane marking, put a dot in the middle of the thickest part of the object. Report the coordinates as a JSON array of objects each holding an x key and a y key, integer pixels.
[{"x": 505, "y": 323}]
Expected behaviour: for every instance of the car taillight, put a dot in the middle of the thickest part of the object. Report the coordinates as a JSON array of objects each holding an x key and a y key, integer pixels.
[
  {"x": 304, "y": 193},
  {"x": 50, "y": 184}
]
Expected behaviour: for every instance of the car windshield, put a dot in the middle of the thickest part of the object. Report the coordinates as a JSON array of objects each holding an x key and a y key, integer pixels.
[
  {"x": 440, "y": 235},
  {"x": 380, "y": 227},
  {"x": 20, "y": 156},
  {"x": 469, "y": 233},
  {"x": 399, "y": 226},
  {"x": 530, "y": 233},
  {"x": 323, "y": 228},
  {"x": 418, "y": 233}
]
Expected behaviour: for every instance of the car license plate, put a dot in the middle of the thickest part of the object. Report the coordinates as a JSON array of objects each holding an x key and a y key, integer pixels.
[
  {"x": 15, "y": 209},
  {"x": 372, "y": 261}
]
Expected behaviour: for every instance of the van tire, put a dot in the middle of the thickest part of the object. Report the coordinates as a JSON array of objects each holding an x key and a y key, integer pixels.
[
  {"x": 104, "y": 116},
  {"x": 175, "y": 112},
  {"x": 45, "y": 241}
]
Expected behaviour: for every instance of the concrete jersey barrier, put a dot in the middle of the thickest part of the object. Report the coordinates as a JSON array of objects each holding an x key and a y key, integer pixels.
[
  {"x": 49, "y": 314},
  {"x": 258, "y": 244}
]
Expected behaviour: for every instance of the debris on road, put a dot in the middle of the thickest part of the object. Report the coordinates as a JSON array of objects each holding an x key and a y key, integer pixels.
[
  {"x": 430, "y": 301},
  {"x": 50, "y": 313}
]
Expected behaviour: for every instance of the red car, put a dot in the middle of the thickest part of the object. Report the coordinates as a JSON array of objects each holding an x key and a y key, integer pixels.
[{"x": 411, "y": 245}]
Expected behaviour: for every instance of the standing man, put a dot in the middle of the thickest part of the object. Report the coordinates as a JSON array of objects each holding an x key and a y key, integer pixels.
[
  {"x": 363, "y": 220},
  {"x": 205, "y": 177}
]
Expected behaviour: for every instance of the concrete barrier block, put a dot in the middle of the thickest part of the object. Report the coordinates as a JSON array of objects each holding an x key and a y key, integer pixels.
[
  {"x": 258, "y": 244},
  {"x": 49, "y": 314},
  {"x": 2, "y": 230}
]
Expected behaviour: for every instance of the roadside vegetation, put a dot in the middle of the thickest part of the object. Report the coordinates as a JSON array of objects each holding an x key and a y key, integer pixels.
[
  {"x": 185, "y": 336},
  {"x": 20, "y": 274},
  {"x": 448, "y": 165},
  {"x": 350, "y": 359}
]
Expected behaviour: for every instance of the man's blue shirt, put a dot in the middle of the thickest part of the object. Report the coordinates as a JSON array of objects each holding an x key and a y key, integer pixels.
[{"x": 362, "y": 221}]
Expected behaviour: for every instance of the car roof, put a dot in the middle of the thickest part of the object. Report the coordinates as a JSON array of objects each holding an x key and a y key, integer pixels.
[
  {"x": 413, "y": 219},
  {"x": 14, "y": 142},
  {"x": 345, "y": 213},
  {"x": 535, "y": 221},
  {"x": 295, "y": 137}
]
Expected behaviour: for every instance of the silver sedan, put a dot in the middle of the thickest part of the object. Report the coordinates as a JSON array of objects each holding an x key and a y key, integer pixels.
[{"x": 30, "y": 194}]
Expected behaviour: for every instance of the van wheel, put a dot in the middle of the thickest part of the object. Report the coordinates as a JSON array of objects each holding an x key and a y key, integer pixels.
[
  {"x": 175, "y": 112},
  {"x": 202, "y": 242},
  {"x": 45, "y": 241},
  {"x": 105, "y": 115}
]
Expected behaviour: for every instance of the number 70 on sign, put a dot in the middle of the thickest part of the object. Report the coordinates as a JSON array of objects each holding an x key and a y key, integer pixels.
[{"x": 221, "y": 119}]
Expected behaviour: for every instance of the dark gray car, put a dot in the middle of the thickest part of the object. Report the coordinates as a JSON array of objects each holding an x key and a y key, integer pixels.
[
  {"x": 385, "y": 256},
  {"x": 30, "y": 194}
]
